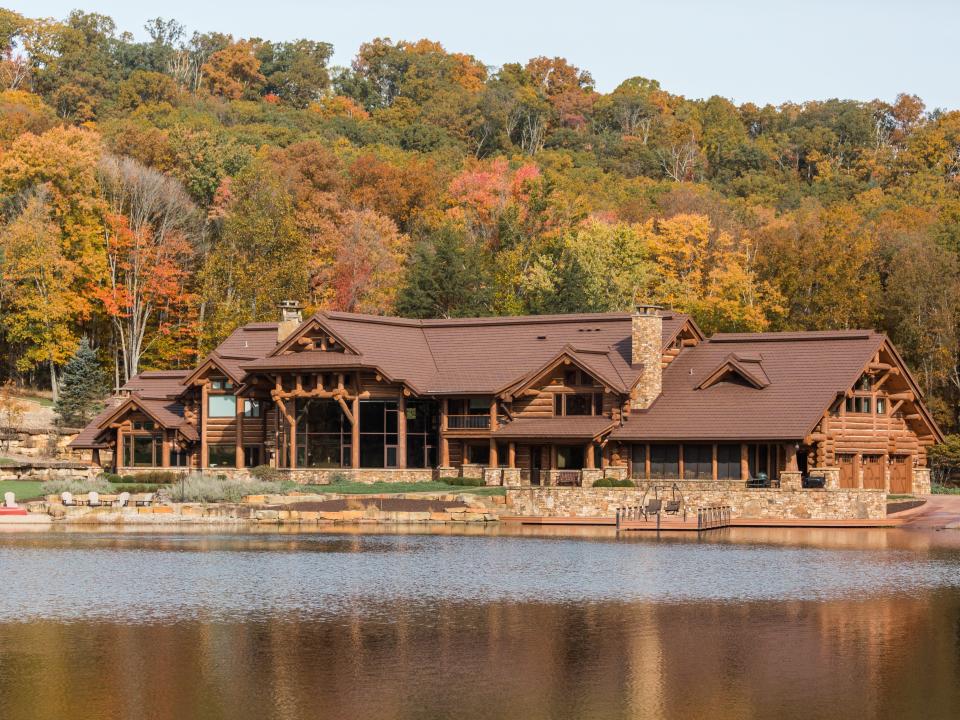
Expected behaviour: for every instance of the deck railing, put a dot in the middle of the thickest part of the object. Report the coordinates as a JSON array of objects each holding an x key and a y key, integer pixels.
[
  {"x": 468, "y": 422},
  {"x": 714, "y": 516}
]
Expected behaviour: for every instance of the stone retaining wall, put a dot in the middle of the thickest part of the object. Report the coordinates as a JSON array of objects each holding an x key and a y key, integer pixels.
[
  {"x": 41, "y": 443},
  {"x": 311, "y": 476},
  {"x": 762, "y": 503},
  {"x": 43, "y": 471}
]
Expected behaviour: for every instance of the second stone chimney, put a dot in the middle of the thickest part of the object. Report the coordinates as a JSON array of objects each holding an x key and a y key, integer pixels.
[
  {"x": 290, "y": 318},
  {"x": 646, "y": 343}
]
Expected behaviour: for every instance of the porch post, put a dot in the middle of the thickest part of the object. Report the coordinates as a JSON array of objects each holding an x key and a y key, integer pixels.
[
  {"x": 118, "y": 455},
  {"x": 512, "y": 455},
  {"x": 588, "y": 456},
  {"x": 646, "y": 463},
  {"x": 791, "y": 457},
  {"x": 292, "y": 412},
  {"x": 355, "y": 430},
  {"x": 165, "y": 448},
  {"x": 238, "y": 440},
  {"x": 444, "y": 442},
  {"x": 680, "y": 468},
  {"x": 402, "y": 431},
  {"x": 494, "y": 460},
  {"x": 744, "y": 462},
  {"x": 204, "y": 394},
  {"x": 714, "y": 470},
  {"x": 553, "y": 457}
]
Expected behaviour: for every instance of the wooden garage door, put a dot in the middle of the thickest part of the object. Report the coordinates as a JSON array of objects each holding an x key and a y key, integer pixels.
[
  {"x": 873, "y": 467},
  {"x": 848, "y": 474},
  {"x": 901, "y": 473}
]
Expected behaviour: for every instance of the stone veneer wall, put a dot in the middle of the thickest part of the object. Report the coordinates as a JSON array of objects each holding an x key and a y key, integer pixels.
[
  {"x": 646, "y": 341},
  {"x": 921, "y": 481},
  {"x": 313, "y": 476},
  {"x": 743, "y": 503}
]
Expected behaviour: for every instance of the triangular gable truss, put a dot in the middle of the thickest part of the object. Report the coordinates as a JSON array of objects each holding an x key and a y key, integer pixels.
[
  {"x": 314, "y": 334},
  {"x": 567, "y": 356},
  {"x": 134, "y": 403},
  {"x": 212, "y": 361}
]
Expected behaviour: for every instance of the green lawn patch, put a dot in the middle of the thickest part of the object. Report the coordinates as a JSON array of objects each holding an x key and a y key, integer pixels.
[
  {"x": 945, "y": 490},
  {"x": 7, "y": 461},
  {"x": 23, "y": 489},
  {"x": 355, "y": 488},
  {"x": 899, "y": 497}
]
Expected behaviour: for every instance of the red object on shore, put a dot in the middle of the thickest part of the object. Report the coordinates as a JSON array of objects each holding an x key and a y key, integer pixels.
[{"x": 12, "y": 511}]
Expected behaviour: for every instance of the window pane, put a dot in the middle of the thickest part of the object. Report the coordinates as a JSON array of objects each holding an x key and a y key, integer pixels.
[
  {"x": 415, "y": 451},
  {"x": 251, "y": 455},
  {"x": 478, "y": 454},
  {"x": 372, "y": 417},
  {"x": 252, "y": 408},
  {"x": 558, "y": 404},
  {"x": 570, "y": 457},
  {"x": 371, "y": 450},
  {"x": 697, "y": 462},
  {"x": 220, "y": 406},
  {"x": 579, "y": 404},
  {"x": 664, "y": 461},
  {"x": 222, "y": 456},
  {"x": 319, "y": 416},
  {"x": 638, "y": 455},
  {"x": 728, "y": 462},
  {"x": 143, "y": 446}
]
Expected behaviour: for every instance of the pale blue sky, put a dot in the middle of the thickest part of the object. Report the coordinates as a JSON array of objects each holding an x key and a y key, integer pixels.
[{"x": 746, "y": 50}]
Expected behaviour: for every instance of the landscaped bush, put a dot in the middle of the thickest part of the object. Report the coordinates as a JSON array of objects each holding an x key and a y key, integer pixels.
[
  {"x": 338, "y": 478},
  {"x": 945, "y": 489},
  {"x": 464, "y": 482},
  {"x": 150, "y": 477},
  {"x": 77, "y": 487},
  {"x": 267, "y": 473},
  {"x": 612, "y": 482},
  {"x": 203, "y": 488}
]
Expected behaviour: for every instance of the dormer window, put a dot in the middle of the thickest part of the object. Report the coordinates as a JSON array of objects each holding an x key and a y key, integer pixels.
[{"x": 221, "y": 384}]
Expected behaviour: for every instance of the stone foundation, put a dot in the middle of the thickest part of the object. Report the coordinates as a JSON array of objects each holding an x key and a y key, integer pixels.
[
  {"x": 743, "y": 503},
  {"x": 311, "y": 476}
]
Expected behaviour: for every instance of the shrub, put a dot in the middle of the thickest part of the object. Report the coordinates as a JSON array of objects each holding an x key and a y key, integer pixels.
[
  {"x": 77, "y": 487},
  {"x": 338, "y": 478},
  {"x": 464, "y": 482},
  {"x": 150, "y": 477},
  {"x": 267, "y": 473},
  {"x": 203, "y": 488},
  {"x": 612, "y": 482}
]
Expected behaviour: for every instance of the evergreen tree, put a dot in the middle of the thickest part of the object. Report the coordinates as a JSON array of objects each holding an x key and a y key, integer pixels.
[{"x": 83, "y": 387}]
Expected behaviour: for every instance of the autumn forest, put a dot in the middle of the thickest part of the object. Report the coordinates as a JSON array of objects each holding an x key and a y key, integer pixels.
[{"x": 155, "y": 194}]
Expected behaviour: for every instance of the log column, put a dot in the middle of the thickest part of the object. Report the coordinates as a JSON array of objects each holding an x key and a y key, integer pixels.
[
  {"x": 494, "y": 424},
  {"x": 204, "y": 394},
  {"x": 713, "y": 463},
  {"x": 291, "y": 406},
  {"x": 165, "y": 448},
  {"x": 744, "y": 462},
  {"x": 589, "y": 460},
  {"x": 355, "y": 431},
  {"x": 512, "y": 455},
  {"x": 402, "y": 431},
  {"x": 444, "y": 442},
  {"x": 238, "y": 440}
]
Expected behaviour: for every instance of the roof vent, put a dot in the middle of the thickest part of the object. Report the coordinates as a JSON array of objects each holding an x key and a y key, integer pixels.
[{"x": 541, "y": 337}]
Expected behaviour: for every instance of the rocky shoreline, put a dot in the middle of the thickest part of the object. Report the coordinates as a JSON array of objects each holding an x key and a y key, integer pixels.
[{"x": 316, "y": 509}]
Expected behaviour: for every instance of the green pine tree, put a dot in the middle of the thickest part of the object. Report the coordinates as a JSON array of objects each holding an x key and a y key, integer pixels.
[{"x": 83, "y": 387}]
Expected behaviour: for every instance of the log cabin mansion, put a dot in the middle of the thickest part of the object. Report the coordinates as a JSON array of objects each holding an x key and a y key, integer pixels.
[{"x": 535, "y": 400}]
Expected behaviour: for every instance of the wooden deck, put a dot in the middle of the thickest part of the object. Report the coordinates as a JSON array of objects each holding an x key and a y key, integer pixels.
[{"x": 678, "y": 524}]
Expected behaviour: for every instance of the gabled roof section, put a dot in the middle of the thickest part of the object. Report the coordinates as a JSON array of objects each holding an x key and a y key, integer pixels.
[
  {"x": 232, "y": 370},
  {"x": 593, "y": 361},
  {"x": 804, "y": 374},
  {"x": 318, "y": 321},
  {"x": 748, "y": 368},
  {"x": 166, "y": 413}
]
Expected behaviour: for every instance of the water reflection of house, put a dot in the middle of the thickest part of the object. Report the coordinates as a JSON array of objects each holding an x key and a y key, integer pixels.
[{"x": 547, "y": 396}]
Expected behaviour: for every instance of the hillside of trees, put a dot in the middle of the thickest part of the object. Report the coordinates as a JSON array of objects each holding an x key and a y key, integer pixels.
[{"x": 153, "y": 195}]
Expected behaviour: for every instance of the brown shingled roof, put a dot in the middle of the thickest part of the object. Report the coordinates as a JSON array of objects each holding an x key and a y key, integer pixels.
[
  {"x": 585, "y": 427},
  {"x": 474, "y": 355},
  {"x": 805, "y": 372}
]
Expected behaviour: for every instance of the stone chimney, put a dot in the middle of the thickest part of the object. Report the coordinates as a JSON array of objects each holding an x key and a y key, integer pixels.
[
  {"x": 646, "y": 344},
  {"x": 290, "y": 318}
]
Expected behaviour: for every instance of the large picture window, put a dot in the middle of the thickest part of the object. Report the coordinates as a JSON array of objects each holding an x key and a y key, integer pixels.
[
  {"x": 698, "y": 462},
  {"x": 142, "y": 450},
  {"x": 728, "y": 462},
  {"x": 221, "y": 456},
  {"x": 423, "y": 424},
  {"x": 664, "y": 461},
  {"x": 221, "y": 406},
  {"x": 323, "y": 434}
]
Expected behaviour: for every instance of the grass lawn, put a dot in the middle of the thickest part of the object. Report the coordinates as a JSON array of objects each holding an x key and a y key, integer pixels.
[
  {"x": 353, "y": 488},
  {"x": 23, "y": 489},
  {"x": 6, "y": 461},
  {"x": 945, "y": 490}
]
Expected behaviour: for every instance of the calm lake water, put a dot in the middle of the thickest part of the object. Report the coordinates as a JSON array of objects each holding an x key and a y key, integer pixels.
[{"x": 524, "y": 623}]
